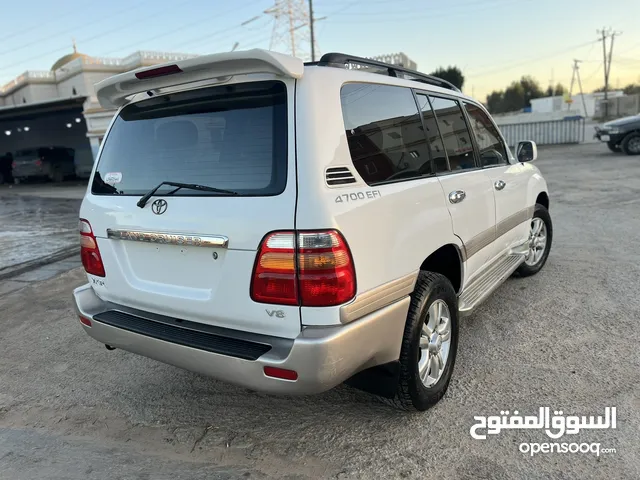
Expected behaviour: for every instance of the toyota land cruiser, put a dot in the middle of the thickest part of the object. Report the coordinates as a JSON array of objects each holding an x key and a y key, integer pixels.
[{"x": 289, "y": 227}]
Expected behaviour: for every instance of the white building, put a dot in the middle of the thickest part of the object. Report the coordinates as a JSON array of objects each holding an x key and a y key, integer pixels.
[
  {"x": 59, "y": 106},
  {"x": 576, "y": 107}
]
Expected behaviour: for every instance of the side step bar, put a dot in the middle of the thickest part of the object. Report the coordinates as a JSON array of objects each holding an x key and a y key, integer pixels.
[{"x": 481, "y": 287}]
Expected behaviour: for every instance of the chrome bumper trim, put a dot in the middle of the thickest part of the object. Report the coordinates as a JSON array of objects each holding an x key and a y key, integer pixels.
[{"x": 189, "y": 239}]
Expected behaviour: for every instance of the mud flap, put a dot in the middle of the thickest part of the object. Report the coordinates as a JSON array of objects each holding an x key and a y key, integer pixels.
[{"x": 381, "y": 380}]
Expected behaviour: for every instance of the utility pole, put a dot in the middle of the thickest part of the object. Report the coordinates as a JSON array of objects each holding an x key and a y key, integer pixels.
[
  {"x": 313, "y": 37},
  {"x": 575, "y": 75},
  {"x": 607, "y": 63}
]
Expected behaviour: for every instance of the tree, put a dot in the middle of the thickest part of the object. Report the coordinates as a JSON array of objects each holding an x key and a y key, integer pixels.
[
  {"x": 515, "y": 97},
  {"x": 631, "y": 89},
  {"x": 495, "y": 101},
  {"x": 450, "y": 74},
  {"x": 531, "y": 89},
  {"x": 555, "y": 91}
]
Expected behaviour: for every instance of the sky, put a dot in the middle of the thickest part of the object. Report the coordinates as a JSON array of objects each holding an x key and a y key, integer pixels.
[{"x": 493, "y": 41}]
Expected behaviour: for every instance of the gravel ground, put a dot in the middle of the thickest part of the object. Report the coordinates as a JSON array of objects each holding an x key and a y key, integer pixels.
[{"x": 566, "y": 338}]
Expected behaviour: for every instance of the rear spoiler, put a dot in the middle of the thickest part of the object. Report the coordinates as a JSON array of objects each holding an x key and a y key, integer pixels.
[{"x": 113, "y": 91}]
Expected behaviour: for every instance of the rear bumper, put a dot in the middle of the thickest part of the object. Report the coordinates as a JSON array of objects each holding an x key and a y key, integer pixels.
[{"x": 323, "y": 357}]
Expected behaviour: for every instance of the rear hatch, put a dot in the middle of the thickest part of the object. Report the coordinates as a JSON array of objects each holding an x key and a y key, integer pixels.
[{"x": 190, "y": 253}]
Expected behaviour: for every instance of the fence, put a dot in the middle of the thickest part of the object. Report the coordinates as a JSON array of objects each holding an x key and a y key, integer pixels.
[
  {"x": 552, "y": 132},
  {"x": 623, "y": 106}
]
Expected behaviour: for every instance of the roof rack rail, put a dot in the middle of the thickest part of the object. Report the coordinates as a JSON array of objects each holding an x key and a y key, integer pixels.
[{"x": 342, "y": 60}]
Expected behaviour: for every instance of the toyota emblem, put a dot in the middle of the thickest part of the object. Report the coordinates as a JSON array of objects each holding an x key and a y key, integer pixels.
[{"x": 159, "y": 206}]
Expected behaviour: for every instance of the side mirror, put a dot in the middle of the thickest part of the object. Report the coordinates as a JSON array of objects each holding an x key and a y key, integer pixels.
[{"x": 526, "y": 151}]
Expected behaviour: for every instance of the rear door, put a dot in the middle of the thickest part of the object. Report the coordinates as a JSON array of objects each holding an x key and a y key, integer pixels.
[
  {"x": 509, "y": 182},
  {"x": 188, "y": 253},
  {"x": 468, "y": 190}
]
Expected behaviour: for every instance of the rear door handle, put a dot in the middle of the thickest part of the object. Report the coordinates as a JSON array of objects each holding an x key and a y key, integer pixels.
[
  {"x": 457, "y": 196},
  {"x": 499, "y": 185}
]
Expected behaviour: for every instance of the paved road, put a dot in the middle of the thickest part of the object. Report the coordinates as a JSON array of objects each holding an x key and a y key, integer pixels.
[
  {"x": 566, "y": 338},
  {"x": 36, "y": 221}
]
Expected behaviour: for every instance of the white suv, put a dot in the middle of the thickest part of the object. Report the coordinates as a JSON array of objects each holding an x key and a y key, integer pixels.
[{"x": 289, "y": 227}]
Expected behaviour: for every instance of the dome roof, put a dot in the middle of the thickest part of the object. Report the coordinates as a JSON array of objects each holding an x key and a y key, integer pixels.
[{"x": 68, "y": 58}]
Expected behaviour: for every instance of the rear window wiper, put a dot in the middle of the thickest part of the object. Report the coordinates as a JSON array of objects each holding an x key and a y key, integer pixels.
[{"x": 193, "y": 186}]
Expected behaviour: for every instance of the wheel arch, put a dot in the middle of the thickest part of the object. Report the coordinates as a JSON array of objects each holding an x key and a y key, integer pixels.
[
  {"x": 448, "y": 260},
  {"x": 543, "y": 199}
]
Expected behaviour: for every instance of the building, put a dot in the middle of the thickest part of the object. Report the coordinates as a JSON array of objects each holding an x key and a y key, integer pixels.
[
  {"x": 577, "y": 106},
  {"x": 58, "y": 107}
]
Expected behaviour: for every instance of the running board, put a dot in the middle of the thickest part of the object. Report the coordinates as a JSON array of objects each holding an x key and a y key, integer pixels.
[{"x": 480, "y": 288}]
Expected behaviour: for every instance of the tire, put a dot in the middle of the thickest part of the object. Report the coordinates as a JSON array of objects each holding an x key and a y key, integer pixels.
[
  {"x": 631, "y": 144},
  {"x": 2, "y": 179},
  {"x": 613, "y": 147},
  {"x": 534, "y": 263},
  {"x": 432, "y": 290}
]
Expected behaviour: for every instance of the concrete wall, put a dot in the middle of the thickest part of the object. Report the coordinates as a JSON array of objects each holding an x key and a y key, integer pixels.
[{"x": 623, "y": 106}]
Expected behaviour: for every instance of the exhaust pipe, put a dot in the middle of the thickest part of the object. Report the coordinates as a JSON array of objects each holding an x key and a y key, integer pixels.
[{"x": 109, "y": 347}]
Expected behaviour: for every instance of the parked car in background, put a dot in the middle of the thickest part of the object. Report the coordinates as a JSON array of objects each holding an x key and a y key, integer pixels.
[
  {"x": 54, "y": 163},
  {"x": 6, "y": 168},
  {"x": 621, "y": 135}
]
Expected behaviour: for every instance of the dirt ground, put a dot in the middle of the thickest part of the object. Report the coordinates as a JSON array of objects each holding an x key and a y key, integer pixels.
[{"x": 566, "y": 338}]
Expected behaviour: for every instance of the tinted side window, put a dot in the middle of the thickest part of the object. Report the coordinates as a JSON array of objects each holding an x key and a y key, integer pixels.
[
  {"x": 384, "y": 133},
  {"x": 433, "y": 135},
  {"x": 456, "y": 137},
  {"x": 492, "y": 151}
]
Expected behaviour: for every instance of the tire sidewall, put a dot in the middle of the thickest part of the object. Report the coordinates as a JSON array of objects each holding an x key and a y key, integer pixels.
[
  {"x": 625, "y": 143},
  {"x": 421, "y": 396},
  {"x": 541, "y": 213}
]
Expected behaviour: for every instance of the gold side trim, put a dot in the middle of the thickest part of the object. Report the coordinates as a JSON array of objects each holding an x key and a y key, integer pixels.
[
  {"x": 188, "y": 239},
  {"x": 485, "y": 238},
  {"x": 378, "y": 297},
  {"x": 480, "y": 241},
  {"x": 513, "y": 221}
]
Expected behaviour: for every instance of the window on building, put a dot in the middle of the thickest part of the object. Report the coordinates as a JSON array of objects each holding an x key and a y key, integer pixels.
[
  {"x": 492, "y": 150},
  {"x": 384, "y": 133},
  {"x": 433, "y": 135},
  {"x": 455, "y": 134}
]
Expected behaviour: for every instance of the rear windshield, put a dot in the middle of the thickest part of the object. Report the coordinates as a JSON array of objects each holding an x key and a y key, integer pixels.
[{"x": 229, "y": 137}]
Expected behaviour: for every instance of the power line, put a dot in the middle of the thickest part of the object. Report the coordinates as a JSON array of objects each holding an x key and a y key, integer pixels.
[
  {"x": 503, "y": 67},
  {"x": 100, "y": 20},
  {"x": 384, "y": 17},
  {"x": 100, "y": 35},
  {"x": 181, "y": 28}
]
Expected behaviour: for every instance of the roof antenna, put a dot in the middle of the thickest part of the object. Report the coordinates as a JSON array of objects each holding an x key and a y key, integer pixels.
[{"x": 73, "y": 41}]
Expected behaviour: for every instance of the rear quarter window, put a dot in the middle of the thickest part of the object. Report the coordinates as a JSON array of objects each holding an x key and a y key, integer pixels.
[{"x": 230, "y": 137}]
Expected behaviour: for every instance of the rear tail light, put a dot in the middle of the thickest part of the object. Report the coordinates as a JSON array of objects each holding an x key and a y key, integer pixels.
[
  {"x": 158, "y": 72},
  {"x": 312, "y": 269},
  {"x": 89, "y": 251},
  {"x": 38, "y": 163},
  {"x": 85, "y": 321},
  {"x": 13, "y": 164}
]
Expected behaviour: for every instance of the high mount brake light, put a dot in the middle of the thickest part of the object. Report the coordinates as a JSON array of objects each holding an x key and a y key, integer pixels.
[
  {"x": 89, "y": 251},
  {"x": 313, "y": 269},
  {"x": 158, "y": 72}
]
